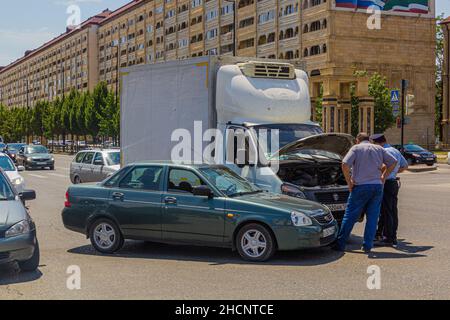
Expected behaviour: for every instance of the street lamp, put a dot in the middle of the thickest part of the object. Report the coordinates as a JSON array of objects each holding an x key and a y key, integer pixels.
[{"x": 234, "y": 24}]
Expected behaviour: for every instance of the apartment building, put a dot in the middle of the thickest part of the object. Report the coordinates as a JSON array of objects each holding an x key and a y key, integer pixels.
[
  {"x": 445, "y": 125},
  {"x": 68, "y": 61},
  {"x": 330, "y": 36}
]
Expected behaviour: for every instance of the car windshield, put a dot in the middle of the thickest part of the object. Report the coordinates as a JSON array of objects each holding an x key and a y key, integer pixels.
[
  {"x": 6, "y": 192},
  {"x": 228, "y": 182},
  {"x": 37, "y": 149},
  {"x": 14, "y": 146},
  {"x": 113, "y": 158},
  {"x": 311, "y": 154},
  {"x": 414, "y": 148},
  {"x": 6, "y": 164},
  {"x": 287, "y": 133}
]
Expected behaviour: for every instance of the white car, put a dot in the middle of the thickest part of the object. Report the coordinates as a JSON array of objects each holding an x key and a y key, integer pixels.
[{"x": 12, "y": 172}]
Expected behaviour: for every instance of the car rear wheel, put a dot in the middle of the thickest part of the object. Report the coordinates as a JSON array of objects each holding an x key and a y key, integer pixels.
[
  {"x": 76, "y": 180},
  {"x": 105, "y": 236},
  {"x": 33, "y": 263},
  {"x": 255, "y": 243}
]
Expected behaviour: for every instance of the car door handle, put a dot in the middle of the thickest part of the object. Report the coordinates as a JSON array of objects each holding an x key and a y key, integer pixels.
[
  {"x": 118, "y": 196},
  {"x": 170, "y": 200}
]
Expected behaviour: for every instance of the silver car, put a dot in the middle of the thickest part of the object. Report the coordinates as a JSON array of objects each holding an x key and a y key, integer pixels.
[{"x": 94, "y": 165}]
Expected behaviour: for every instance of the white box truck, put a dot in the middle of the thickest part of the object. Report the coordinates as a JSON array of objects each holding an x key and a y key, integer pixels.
[{"x": 231, "y": 93}]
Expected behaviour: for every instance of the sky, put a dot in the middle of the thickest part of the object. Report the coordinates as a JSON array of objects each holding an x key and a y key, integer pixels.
[{"x": 27, "y": 24}]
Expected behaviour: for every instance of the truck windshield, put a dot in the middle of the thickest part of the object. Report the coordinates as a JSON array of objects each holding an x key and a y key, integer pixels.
[
  {"x": 228, "y": 182},
  {"x": 6, "y": 192},
  {"x": 287, "y": 133}
]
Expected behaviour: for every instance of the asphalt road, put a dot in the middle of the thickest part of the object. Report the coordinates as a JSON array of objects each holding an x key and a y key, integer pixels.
[{"x": 418, "y": 269}]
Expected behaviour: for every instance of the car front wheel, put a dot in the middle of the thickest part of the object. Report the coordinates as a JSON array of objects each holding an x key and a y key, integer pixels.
[
  {"x": 33, "y": 263},
  {"x": 255, "y": 243},
  {"x": 105, "y": 236}
]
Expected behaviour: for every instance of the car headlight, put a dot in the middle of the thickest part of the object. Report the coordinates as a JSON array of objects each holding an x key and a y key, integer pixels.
[
  {"x": 29, "y": 160},
  {"x": 17, "y": 181},
  {"x": 300, "y": 219},
  {"x": 19, "y": 228},
  {"x": 292, "y": 191}
]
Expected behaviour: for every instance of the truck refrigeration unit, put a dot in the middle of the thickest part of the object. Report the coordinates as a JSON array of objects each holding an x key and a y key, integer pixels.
[{"x": 160, "y": 102}]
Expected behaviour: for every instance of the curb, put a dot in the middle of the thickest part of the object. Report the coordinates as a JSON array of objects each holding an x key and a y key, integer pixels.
[{"x": 421, "y": 169}]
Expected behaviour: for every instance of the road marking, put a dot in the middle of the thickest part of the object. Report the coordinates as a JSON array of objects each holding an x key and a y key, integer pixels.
[
  {"x": 58, "y": 175},
  {"x": 37, "y": 176}
]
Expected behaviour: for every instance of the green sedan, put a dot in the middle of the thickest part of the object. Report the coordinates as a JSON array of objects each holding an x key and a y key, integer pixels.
[{"x": 196, "y": 205}]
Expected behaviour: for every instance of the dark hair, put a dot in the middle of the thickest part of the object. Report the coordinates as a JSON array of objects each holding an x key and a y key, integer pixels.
[{"x": 362, "y": 136}]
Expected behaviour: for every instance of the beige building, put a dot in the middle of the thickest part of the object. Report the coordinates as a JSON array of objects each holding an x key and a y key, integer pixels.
[
  {"x": 446, "y": 83},
  {"x": 66, "y": 62},
  {"x": 334, "y": 43}
]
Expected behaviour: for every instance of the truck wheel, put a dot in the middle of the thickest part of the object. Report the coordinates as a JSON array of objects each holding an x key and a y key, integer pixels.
[
  {"x": 105, "y": 236},
  {"x": 255, "y": 243},
  {"x": 33, "y": 263}
]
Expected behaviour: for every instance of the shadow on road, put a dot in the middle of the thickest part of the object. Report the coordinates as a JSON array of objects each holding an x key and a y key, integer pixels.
[
  {"x": 11, "y": 274},
  {"x": 403, "y": 250},
  {"x": 214, "y": 256}
]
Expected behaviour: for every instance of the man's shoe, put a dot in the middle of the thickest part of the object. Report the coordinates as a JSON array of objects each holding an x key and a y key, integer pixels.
[
  {"x": 365, "y": 250},
  {"x": 395, "y": 243}
]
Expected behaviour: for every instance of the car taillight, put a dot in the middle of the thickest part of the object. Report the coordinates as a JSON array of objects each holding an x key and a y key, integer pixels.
[{"x": 67, "y": 203}]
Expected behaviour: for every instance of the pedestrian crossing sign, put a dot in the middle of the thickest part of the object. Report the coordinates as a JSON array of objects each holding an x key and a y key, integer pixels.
[{"x": 395, "y": 97}]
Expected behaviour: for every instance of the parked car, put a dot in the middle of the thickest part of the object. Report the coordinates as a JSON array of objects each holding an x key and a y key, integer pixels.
[
  {"x": 18, "y": 241},
  {"x": 194, "y": 204},
  {"x": 12, "y": 172},
  {"x": 94, "y": 165},
  {"x": 2, "y": 147},
  {"x": 12, "y": 149},
  {"x": 35, "y": 156},
  {"x": 415, "y": 154}
]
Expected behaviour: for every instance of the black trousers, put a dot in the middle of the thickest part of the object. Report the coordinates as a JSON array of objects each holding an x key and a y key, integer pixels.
[{"x": 388, "y": 222}]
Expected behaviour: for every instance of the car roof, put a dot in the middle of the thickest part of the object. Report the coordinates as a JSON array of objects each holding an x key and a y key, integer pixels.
[
  {"x": 100, "y": 150},
  {"x": 175, "y": 163}
]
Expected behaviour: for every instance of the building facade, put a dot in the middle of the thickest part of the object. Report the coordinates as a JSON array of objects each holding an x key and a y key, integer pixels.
[
  {"x": 66, "y": 62},
  {"x": 446, "y": 83},
  {"x": 330, "y": 36}
]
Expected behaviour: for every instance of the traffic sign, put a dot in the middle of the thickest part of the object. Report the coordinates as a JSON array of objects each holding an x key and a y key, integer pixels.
[{"x": 395, "y": 97}]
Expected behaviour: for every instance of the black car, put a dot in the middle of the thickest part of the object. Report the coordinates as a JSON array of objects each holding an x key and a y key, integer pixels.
[
  {"x": 12, "y": 149},
  {"x": 34, "y": 157},
  {"x": 415, "y": 154}
]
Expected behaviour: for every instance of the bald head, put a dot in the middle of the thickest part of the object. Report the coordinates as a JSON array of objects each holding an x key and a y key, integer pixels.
[{"x": 362, "y": 136}]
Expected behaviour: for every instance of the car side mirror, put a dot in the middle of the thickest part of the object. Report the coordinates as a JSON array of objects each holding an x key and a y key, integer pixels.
[
  {"x": 27, "y": 195},
  {"x": 20, "y": 168},
  {"x": 202, "y": 191},
  {"x": 98, "y": 163}
]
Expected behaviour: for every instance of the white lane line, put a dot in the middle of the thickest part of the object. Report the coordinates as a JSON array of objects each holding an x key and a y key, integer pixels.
[
  {"x": 58, "y": 175},
  {"x": 37, "y": 176}
]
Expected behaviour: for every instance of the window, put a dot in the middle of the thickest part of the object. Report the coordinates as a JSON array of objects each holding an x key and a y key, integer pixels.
[
  {"x": 246, "y": 22},
  {"x": 99, "y": 157},
  {"x": 226, "y": 9},
  {"x": 211, "y": 34},
  {"x": 196, "y": 3},
  {"x": 266, "y": 17},
  {"x": 211, "y": 15},
  {"x": 79, "y": 157},
  {"x": 88, "y": 158},
  {"x": 159, "y": 10},
  {"x": 142, "y": 178},
  {"x": 183, "y": 181}
]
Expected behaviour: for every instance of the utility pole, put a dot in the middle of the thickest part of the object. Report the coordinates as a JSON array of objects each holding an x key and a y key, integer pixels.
[{"x": 404, "y": 87}]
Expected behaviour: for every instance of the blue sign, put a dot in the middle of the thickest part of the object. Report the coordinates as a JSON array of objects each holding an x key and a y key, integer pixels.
[{"x": 395, "y": 97}]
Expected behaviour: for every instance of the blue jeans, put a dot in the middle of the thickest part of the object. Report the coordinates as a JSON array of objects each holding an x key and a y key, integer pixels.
[{"x": 365, "y": 196}]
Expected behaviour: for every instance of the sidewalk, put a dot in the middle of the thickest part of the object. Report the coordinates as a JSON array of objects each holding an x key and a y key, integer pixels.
[{"x": 421, "y": 168}]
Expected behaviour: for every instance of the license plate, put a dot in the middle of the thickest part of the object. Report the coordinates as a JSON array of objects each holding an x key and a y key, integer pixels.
[
  {"x": 430, "y": 159},
  {"x": 41, "y": 163},
  {"x": 328, "y": 232},
  {"x": 337, "y": 206}
]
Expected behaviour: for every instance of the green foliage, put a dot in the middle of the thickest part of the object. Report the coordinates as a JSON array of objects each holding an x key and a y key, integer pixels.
[
  {"x": 384, "y": 119},
  {"x": 77, "y": 114}
]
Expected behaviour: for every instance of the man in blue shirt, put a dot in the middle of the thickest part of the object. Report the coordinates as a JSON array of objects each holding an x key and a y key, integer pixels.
[
  {"x": 388, "y": 223},
  {"x": 363, "y": 170}
]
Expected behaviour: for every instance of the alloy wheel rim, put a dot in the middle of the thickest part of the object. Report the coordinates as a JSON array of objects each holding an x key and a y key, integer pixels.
[
  {"x": 104, "y": 235},
  {"x": 254, "y": 243}
]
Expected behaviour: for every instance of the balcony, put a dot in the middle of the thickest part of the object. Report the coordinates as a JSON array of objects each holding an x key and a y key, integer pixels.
[{"x": 227, "y": 37}]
